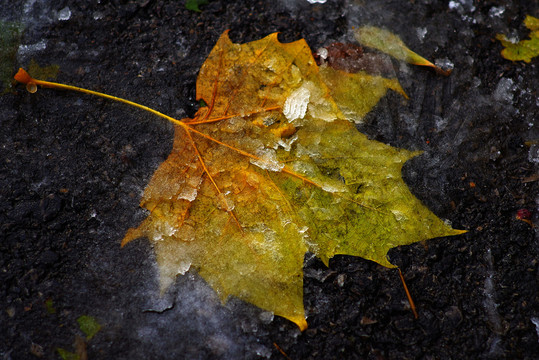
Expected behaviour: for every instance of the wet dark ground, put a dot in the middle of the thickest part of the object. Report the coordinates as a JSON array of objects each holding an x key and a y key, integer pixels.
[{"x": 73, "y": 169}]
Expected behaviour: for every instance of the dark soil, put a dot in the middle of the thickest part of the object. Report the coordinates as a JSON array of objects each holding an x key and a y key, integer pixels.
[{"x": 73, "y": 169}]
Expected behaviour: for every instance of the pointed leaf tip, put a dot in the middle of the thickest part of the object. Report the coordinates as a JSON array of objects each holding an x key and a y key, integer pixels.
[
  {"x": 130, "y": 235},
  {"x": 23, "y": 77},
  {"x": 391, "y": 44},
  {"x": 300, "y": 322}
]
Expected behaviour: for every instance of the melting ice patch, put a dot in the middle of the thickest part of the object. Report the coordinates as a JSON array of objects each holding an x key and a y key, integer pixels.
[
  {"x": 462, "y": 6},
  {"x": 267, "y": 160},
  {"x": 399, "y": 216},
  {"x": 287, "y": 144},
  {"x": 496, "y": 11},
  {"x": 64, "y": 14},
  {"x": 190, "y": 191},
  {"x": 295, "y": 105},
  {"x": 334, "y": 187},
  {"x": 504, "y": 90},
  {"x": 444, "y": 64},
  {"x": 421, "y": 32},
  {"x": 25, "y": 49}
]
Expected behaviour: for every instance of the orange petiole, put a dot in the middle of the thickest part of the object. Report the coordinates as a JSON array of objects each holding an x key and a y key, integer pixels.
[
  {"x": 23, "y": 77},
  {"x": 410, "y": 300}
]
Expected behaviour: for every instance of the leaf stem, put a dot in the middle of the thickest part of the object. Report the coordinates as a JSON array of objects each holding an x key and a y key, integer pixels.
[
  {"x": 23, "y": 77},
  {"x": 410, "y": 300}
]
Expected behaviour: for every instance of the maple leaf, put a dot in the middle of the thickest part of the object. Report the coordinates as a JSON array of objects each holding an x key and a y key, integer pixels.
[
  {"x": 524, "y": 50},
  {"x": 391, "y": 44},
  {"x": 273, "y": 167}
]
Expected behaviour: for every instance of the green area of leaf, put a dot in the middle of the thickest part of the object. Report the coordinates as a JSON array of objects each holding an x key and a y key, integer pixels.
[
  {"x": 524, "y": 50},
  {"x": 357, "y": 93},
  {"x": 10, "y": 37},
  {"x": 89, "y": 326},
  {"x": 194, "y": 5}
]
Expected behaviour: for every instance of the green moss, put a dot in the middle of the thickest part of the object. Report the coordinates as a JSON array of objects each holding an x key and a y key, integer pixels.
[
  {"x": 194, "y": 4},
  {"x": 67, "y": 355},
  {"x": 50, "y": 307},
  {"x": 10, "y": 38},
  {"x": 89, "y": 326},
  {"x": 42, "y": 73}
]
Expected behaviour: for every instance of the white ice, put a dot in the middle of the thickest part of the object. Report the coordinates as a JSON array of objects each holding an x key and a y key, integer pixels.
[
  {"x": 295, "y": 105},
  {"x": 64, "y": 14},
  {"x": 267, "y": 160},
  {"x": 504, "y": 90}
]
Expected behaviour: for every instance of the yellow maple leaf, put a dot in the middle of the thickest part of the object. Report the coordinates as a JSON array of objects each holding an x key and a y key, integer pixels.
[
  {"x": 273, "y": 167},
  {"x": 391, "y": 44}
]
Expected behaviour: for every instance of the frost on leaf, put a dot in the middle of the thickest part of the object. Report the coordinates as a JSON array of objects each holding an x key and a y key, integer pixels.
[
  {"x": 296, "y": 103},
  {"x": 272, "y": 167}
]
